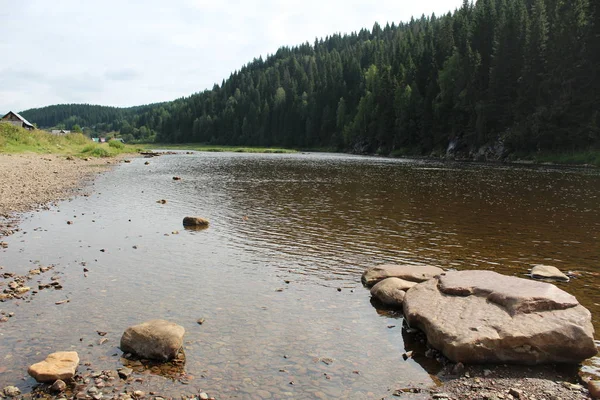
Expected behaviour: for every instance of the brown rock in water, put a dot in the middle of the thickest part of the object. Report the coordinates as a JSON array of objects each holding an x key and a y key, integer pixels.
[
  {"x": 58, "y": 386},
  {"x": 60, "y": 365},
  {"x": 195, "y": 221},
  {"x": 162, "y": 201},
  {"x": 176, "y": 178},
  {"x": 413, "y": 273},
  {"x": 391, "y": 291},
  {"x": 485, "y": 317},
  {"x": 594, "y": 388},
  {"x": 541, "y": 271},
  {"x": 156, "y": 339}
]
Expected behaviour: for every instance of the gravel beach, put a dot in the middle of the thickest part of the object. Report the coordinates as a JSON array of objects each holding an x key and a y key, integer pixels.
[{"x": 30, "y": 181}]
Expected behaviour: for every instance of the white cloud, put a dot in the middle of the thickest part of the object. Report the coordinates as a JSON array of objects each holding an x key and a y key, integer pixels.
[{"x": 138, "y": 52}]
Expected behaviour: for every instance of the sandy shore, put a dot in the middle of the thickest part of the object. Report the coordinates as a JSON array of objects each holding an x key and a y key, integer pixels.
[{"x": 31, "y": 181}]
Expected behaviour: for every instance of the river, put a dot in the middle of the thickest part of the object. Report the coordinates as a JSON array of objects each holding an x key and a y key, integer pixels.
[{"x": 276, "y": 276}]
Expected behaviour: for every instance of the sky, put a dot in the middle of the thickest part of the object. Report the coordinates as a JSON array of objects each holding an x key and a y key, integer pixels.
[{"x": 126, "y": 53}]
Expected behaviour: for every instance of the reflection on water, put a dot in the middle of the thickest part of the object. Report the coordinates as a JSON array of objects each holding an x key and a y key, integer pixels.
[{"x": 287, "y": 231}]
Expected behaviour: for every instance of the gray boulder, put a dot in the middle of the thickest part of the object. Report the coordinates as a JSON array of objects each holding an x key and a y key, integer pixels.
[
  {"x": 391, "y": 291},
  {"x": 485, "y": 317},
  {"x": 156, "y": 339},
  {"x": 413, "y": 273}
]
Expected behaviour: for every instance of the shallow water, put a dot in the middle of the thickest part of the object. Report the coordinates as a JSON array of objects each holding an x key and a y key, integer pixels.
[{"x": 313, "y": 220}]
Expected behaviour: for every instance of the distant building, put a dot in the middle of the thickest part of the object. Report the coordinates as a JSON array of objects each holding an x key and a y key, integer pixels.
[
  {"x": 14, "y": 118},
  {"x": 60, "y": 131},
  {"x": 102, "y": 140},
  {"x": 95, "y": 139}
]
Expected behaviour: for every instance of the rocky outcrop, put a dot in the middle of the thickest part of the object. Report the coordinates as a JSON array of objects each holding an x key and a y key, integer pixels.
[
  {"x": 541, "y": 271},
  {"x": 391, "y": 291},
  {"x": 413, "y": 273},
  {"x": 485, "y": 317},
  {"x": 156, "y": 339},
  {"x": 195, "y": 221},
  {"x": 60, "y": 365}
]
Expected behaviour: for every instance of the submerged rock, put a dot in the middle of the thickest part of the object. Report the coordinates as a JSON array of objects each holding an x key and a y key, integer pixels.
[
  {"x": 11, "y": 391},
  {"x": 60, "y": 365},
  {"x": 548, "y": 272},
  {"x": 156, "y": 339},
  {"x": 485, "y": 317},
  {"x": 413, "y": 273},
  {"x": 391, "y": 291},
  {"x": 195, "y": 221}
]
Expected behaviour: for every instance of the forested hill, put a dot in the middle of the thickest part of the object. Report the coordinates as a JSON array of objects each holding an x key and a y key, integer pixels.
[
  {"x": 100, "y": 118},
  {"x": 513, "y": 75}
]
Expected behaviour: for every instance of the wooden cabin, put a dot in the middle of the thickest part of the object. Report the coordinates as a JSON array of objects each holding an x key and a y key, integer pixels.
[{"x": 15, "y": 119}]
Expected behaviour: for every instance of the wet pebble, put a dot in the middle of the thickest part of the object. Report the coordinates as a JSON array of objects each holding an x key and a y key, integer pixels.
[{"x": 58, "y": 386}]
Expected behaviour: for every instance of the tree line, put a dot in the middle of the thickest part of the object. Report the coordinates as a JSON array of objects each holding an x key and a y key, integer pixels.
[{"x": 521, "y": 74}]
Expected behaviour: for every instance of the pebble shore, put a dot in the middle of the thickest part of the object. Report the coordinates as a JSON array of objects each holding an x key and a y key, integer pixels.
[{"x": 33, "y": 181}]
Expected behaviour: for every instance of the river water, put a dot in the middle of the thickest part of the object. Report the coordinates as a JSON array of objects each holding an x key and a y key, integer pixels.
[{"x": 276, "y": 276}]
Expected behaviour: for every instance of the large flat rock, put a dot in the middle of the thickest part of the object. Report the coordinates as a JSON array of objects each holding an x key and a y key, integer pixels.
[
  {"x": 413, "y": 273},
  {"x": 60, "y": 365},
  {"x": 485, "y": 317}
]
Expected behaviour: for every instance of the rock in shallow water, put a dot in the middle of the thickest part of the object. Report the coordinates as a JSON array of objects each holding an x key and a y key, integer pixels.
[
  {"x": 391, "y": 291},
  {"x": 195, "y": 221},
  {"x": 485, "y": 317},
  {"x": 11, "y": 391},
  {"x": 413, "y": 273},
  {"x": 548, "y": 272},
  {"x": 156, "y": 339},
  {"x": 60, "y": 365}
]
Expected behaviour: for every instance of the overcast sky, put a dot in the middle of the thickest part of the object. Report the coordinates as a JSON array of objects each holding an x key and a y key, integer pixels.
[{"x": 125, "y": 53}]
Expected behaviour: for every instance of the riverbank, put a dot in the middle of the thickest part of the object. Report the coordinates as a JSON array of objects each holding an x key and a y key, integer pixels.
[{"x": 30, "y": 181}]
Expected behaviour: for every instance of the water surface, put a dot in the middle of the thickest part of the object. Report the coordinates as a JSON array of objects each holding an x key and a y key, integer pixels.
[{"x": 277, "y": 274}]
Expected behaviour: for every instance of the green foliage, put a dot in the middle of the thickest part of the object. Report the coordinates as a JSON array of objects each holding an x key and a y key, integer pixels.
[
  {"x": 116, "y": 144},
  {"x": 95, "y": 150},
  {"x": 524, "y": 71}
]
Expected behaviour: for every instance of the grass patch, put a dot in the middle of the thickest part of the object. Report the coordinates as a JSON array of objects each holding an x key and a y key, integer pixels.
[
  {"x": 210, "y": 148},
  {"x": 15, "y": 139}
]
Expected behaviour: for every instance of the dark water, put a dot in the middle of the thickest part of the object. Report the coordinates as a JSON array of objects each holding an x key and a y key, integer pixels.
[{"x": 316, "y": 221}]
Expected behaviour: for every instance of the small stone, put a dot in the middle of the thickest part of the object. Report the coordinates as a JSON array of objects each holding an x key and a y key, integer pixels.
[
  {"x": 58, "y": 386},
  {"x": 124, "y": 372},
  {"x": 203, "y": 396},
  {"x": 200, "y": 321},
  {"x": 93, "y": 390},
  {"x": 441, "y": 396},
  {"x": 458, "y": 369},
  {"x": 138, "y": 394},
  {"x": 487, "y": 372},
  {"x": 12, "y": 391},
  {"x": 516, "y": 393}
]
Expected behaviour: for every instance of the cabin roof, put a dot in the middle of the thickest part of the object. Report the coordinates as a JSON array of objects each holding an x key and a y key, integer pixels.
[{"x": 20, "y": 117}]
